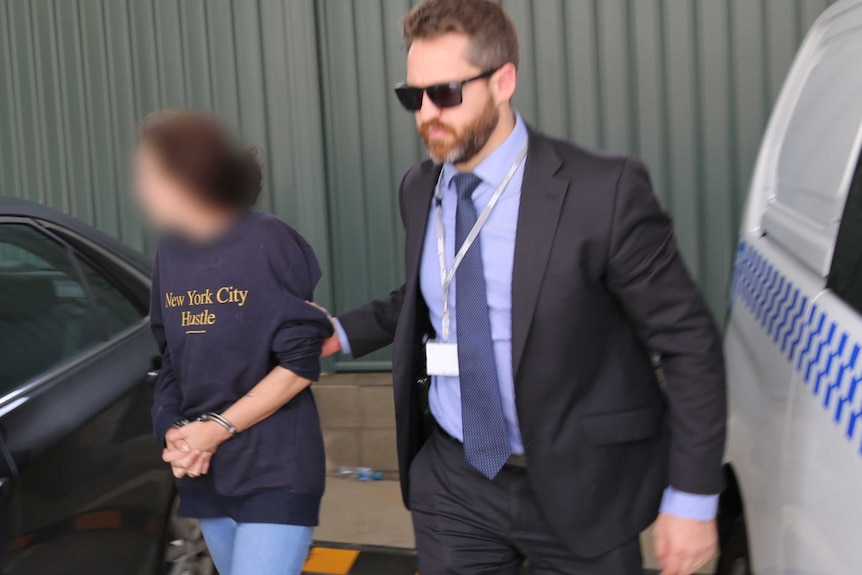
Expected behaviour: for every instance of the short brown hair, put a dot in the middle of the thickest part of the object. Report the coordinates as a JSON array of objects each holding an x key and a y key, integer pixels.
[
  {"x": 199, "y": 151},
  {"x": 493, "y": 37}
]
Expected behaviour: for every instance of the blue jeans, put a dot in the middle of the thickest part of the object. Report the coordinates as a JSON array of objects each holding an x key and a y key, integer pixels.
[{"x": 256, "y": 548}]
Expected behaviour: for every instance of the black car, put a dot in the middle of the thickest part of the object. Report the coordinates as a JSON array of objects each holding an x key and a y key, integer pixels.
[{"x": 83, "y": 489}]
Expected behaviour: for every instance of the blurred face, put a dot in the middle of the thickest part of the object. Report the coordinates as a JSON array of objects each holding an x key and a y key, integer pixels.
[
  {"x": 459, "y": 133},
  {"x": 165, "y": 200}
]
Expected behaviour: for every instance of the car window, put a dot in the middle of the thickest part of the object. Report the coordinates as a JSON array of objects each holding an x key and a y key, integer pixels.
[
  {"x": 136, "y": 290},
  {"x": 845, "y": 277},
  {"x": 115, "y": 311},
  {"x": 45, "y": 315}
]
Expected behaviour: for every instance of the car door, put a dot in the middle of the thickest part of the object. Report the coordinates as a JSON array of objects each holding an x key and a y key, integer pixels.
[
  {"x": 7, "y": 469},
  {"x": 89, "y": 492}
]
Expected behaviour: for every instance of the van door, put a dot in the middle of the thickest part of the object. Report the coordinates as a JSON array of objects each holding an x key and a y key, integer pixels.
[
  {"x": 823, "y": 457},
  {"x": 777, "y": 335},
  {"x": 765, "y": 325}
]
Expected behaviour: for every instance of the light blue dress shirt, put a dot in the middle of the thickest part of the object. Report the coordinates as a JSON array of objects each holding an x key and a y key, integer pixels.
[{"x": 497, "y": 241}]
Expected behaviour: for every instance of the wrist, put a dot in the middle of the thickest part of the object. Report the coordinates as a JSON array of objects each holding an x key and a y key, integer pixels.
[
  {"x": 220, "y": 433},
  {"x": 227, "y": 430}
]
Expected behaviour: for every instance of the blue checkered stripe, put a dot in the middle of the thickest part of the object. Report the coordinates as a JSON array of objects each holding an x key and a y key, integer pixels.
[{"x": 814, "y": 343}]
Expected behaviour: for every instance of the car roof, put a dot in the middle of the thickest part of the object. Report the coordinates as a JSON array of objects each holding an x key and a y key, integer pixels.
[{"x": 26, "y": 209}]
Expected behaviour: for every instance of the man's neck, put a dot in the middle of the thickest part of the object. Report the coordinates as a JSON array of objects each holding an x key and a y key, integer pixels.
[{"x": 504, "y": 128}]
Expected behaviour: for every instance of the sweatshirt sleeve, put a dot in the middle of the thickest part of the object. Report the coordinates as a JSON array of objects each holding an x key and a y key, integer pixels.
[
  {"x": 168, "y": 398},
  {"x": 297, "y": 342}
]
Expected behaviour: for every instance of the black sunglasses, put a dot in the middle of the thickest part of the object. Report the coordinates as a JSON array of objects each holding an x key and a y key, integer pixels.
[{"x": 446, "y": 95}]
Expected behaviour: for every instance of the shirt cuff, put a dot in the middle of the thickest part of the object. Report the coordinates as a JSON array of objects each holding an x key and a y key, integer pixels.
[
  {"x": 689, "y": 505},
  {"x": 342, "y": 337}
]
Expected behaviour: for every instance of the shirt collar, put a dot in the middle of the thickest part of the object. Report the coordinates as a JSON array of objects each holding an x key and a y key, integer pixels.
[{"x": 493, "y": 169}]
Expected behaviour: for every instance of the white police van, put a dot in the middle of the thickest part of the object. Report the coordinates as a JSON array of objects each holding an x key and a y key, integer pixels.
[{"x": 794, "y": 334}]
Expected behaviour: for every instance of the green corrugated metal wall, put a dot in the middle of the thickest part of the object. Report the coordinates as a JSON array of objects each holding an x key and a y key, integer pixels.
[{"x": 686, "y": 84}]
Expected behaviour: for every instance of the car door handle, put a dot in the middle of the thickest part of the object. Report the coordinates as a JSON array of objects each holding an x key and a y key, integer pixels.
[{"x": 154, "y": 371}]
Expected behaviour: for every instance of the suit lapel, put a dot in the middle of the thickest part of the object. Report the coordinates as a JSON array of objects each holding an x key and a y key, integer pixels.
[
  {"x": 542, "y": 195},
  {"x": 419, "y": 206}
]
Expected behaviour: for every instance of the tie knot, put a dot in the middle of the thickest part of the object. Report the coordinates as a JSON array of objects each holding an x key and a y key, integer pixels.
[{"x": 466, "y": 184}]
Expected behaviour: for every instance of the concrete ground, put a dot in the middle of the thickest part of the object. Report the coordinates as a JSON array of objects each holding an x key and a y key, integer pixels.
[
  {"x": 364, "y": 513},
  {"x": 359, "y": 513}
]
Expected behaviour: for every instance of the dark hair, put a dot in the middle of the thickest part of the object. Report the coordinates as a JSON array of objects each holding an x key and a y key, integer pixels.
[
  {"x": 199, "y": 151},
  {"x": 493, "y": 37}
]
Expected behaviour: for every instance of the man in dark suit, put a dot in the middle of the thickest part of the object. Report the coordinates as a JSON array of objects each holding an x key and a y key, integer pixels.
[{"x": 551, "y": 437}]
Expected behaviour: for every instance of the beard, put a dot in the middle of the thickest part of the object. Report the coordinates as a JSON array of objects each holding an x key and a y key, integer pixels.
[{"x": 464, "y": 145}]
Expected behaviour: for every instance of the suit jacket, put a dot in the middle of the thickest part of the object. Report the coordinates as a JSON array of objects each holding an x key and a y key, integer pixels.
[{"x": 598, "y": 288}]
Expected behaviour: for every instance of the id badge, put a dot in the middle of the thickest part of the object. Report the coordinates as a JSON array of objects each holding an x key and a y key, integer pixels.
[{"x": 442, "y": 358}]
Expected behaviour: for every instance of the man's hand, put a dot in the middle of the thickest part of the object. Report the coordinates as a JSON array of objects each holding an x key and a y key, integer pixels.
[
  {"x": 331, "y": 345},
  {"x": 684, "y": 546}
]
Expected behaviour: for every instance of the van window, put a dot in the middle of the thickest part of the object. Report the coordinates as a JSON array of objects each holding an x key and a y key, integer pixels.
[
  {"x": 845, "y": 277},
  {"x": 819, "y": 142},
  {"x": 816, "y": 147}
]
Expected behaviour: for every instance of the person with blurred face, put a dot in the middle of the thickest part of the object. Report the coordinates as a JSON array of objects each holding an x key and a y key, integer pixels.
[
  {"x": 541, "y": 280},
  {"x": 239, "y": 347}
]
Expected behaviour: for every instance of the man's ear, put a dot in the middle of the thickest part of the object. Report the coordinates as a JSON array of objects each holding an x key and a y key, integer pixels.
[{"x": 504, "y": 82}]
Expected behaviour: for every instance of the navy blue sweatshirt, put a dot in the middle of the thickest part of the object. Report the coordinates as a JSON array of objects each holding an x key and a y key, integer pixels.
[{"x": 224, "y": 314}]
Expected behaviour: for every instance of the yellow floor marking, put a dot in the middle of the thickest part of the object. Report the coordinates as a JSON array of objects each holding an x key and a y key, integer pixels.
[{"x": 328, "y": 561}]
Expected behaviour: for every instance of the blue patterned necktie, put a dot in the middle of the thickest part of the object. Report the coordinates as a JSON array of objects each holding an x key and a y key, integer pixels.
[{"x": 486, "y": 437}]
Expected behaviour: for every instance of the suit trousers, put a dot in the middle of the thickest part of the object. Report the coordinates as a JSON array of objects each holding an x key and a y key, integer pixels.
[{"x": 466, "y": 524}]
